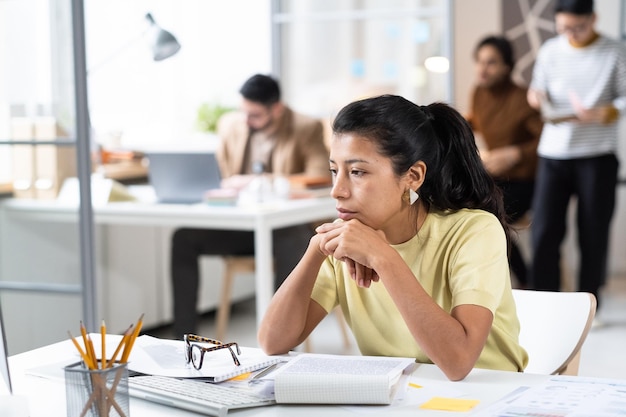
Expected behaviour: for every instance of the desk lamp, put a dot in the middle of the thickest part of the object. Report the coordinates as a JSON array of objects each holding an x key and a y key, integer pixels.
[{"x": 164, "y": 44}]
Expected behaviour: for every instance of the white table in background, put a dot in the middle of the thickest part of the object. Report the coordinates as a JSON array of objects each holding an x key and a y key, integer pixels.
[{"x": 262, "y": 219}]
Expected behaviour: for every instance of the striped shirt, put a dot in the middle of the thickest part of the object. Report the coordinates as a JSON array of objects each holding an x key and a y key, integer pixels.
[{"x": 596, "y": 76}]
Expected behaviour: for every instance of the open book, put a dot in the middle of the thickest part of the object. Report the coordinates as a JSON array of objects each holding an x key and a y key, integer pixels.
[{"x": 338, "y": 379}]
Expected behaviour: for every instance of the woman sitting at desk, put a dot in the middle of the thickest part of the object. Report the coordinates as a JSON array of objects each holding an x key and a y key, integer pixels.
[{"x": 418, "y": 258}]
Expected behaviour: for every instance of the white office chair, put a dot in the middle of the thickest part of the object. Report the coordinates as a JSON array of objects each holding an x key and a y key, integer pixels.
[{"x": 554, "y": 326}]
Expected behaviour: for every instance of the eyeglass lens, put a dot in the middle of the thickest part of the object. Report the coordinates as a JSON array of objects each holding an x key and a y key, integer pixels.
[{"x": 197, "y": 355}]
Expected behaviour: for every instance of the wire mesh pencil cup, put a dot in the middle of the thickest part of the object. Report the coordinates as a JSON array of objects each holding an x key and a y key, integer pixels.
[{"x": 97, "y": 392}]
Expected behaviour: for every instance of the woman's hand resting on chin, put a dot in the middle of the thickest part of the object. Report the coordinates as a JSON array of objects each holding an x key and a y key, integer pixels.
[{"x": 347, "y": 241}]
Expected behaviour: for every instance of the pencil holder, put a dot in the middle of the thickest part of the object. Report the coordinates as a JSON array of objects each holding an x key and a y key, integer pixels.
[{"x": 96, "y": 392}]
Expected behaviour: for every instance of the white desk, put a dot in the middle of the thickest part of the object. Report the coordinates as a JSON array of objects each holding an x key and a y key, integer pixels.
[
  {"x": 46, "y": 397},
  {"x": 261, "y": 219}
]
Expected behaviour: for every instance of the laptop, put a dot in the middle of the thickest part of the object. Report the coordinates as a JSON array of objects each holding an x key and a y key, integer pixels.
[
  {"x": 10, "y": 405},
  {"x": 182, "y": 177},
  {"x": 4, "y": 363}
]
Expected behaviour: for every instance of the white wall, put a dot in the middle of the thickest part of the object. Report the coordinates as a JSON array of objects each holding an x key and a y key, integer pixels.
[
  {"x": 472, "y": 20},
  {"x": 147, "y": 102},
  {"x": 223, "y": 43}
]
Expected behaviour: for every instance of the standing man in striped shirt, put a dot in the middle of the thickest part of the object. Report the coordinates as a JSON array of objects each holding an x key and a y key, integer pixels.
[{"x": 579, "y": 83}]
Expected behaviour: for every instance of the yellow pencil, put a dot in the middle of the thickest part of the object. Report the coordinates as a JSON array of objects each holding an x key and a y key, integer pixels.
[
  {"x": 80, "y": 351},
  {"x": 83, "y": 332},
  {"x": 103, "y": 332},
  {"x": 123, "y": 342},
  {"x": 91, "y": 352},
  {"x": 131, "y": 341}
]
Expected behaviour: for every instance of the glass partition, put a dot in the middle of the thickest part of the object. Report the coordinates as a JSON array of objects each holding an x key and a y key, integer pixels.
[
  {"x": 40, "y": 262},
  {"x": 331, "y": 52},
  {"x": 47, "y": 283}
]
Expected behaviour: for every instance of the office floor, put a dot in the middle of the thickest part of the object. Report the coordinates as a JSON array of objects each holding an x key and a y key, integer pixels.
[{"x": 602, "y": 355}]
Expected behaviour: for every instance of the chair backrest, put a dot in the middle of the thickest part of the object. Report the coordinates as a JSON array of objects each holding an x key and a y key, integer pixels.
[{"x": 554, "y": 326}]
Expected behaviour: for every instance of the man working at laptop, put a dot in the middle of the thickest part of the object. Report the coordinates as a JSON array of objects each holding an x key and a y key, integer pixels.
[{"x": 266, "y": 136}]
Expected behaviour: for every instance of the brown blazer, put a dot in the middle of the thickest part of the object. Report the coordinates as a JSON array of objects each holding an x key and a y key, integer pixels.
[{"x": 299, "y": 148}]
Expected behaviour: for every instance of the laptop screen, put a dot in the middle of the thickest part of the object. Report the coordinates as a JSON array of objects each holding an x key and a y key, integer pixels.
[{"x": 182, "y": 177}]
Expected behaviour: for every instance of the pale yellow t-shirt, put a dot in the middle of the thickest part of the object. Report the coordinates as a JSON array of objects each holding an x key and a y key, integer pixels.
[{"x": 459, "y": 258}]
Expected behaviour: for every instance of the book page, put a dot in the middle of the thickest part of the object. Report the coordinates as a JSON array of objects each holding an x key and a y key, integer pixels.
[{"x": 338, "y": 379}]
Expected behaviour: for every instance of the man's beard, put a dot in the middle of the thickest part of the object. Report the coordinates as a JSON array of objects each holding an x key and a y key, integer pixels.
[{"x": 266, "y": 126}]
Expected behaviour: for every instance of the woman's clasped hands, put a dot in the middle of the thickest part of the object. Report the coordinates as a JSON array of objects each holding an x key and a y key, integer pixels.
[{"x": 355, "y": 244}]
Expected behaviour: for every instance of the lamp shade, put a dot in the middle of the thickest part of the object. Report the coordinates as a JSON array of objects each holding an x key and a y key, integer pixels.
[{"x": 163, "y": 43}]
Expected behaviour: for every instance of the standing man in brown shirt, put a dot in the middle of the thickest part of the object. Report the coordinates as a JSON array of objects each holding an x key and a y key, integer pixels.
[{"x": 509, "y": 128}]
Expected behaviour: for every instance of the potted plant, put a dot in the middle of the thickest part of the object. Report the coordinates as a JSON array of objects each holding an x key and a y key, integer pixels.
[{"x": 208, "y": 114}]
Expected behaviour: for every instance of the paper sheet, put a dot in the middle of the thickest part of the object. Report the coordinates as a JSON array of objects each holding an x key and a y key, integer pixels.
[
  {"x": 562, "y": 396},
  {"x": 165, "y": 357}
]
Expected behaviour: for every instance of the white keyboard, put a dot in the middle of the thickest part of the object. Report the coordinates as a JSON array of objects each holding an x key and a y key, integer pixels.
[{"x": 189, "y": 394}]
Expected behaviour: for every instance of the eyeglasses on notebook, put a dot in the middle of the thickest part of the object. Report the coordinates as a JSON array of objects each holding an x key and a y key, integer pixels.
[{"x": 194, "y": 352}]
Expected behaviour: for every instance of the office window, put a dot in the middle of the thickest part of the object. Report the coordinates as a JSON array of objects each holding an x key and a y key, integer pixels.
[{"x": 330, "y": 52}]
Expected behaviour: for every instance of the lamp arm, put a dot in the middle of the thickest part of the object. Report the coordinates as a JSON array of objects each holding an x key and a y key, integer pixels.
[{"x": 113, "y": 55}]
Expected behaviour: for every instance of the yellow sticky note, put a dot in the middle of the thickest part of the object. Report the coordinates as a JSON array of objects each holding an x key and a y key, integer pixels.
[
  {"x": 412, "y": 385},
  {"x": 241, "y": 377},
  {"x": 449, "y": 404}
]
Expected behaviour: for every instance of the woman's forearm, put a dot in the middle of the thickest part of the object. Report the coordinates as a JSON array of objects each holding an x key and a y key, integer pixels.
[{"x": 284, "y": 325}]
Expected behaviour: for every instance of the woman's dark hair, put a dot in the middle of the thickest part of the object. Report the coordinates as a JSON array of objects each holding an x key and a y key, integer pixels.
[
  {"x": 261, "y": 89},
  {"x": 435, "y": 134},
  {"x": 502, "y": 45},
  {"x": 577, "y": 7}
]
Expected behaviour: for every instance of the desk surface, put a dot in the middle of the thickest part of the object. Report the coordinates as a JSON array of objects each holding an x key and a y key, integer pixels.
[
  {"x": 274, "y": 214},
  {"x": 46, "y": 397}
]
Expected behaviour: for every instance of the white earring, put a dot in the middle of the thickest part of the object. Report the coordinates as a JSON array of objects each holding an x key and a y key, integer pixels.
[{"x": 413, "y": 196}]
